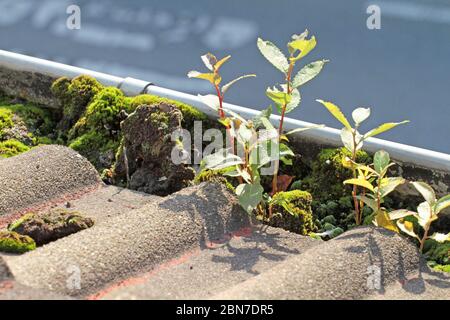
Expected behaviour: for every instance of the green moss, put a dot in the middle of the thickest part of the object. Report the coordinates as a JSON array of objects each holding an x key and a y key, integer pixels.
[
  {"x": 190, "y": 114},
  {"x": 213, "y": 176},
  {"x": 437, "y": 252},
  {"x": 103, "y": 112},
  {"x": 92, "y": 145},
  {"x": 17, "y": 223},
  {"x": 10, "y": 148},
  {"x": 292, "y": 211},
  {"x": 13, "y": 242},
  {"x": 443, "y": 268},
  {"x": 325, "y": 182},
  {"x": 5, "y": 120},
  {"x": 74, "y": 96}
]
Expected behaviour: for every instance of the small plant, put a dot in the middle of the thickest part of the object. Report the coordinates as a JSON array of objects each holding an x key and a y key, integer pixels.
[
  {"x": 374, "y": 179},
  {"x": 427, "y": 212},
  {"x": 214, "y": 77},
  {"x": 287, "y": 96},
  {"x": 353, "y": 141}
]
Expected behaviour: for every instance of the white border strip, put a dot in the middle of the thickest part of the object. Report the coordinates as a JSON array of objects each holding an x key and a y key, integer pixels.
[{"x": 401, "y": 152}]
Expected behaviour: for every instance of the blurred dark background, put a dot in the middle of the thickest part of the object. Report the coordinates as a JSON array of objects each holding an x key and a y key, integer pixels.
[{"x": 401, "y": 71}]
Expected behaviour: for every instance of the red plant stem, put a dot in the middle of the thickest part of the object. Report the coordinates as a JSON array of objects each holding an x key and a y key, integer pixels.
[
  {"x": 222, "y": 116},
  {"x": 280, "y": 129}
]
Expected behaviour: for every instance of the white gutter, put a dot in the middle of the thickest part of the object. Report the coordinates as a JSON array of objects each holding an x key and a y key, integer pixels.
[{"x": 130, "y": 86}]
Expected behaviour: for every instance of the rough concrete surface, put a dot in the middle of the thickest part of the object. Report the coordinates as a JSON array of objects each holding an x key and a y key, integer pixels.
[
  {"x": 133, "y": 241},
  {"x": 346, "y": 267},
  {"x": 42, "y": 175},
  {"x": 214, "y": 269}
]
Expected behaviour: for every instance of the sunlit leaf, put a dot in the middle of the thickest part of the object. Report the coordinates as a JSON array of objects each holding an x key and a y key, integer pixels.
[
  {"x": 221, "y": 159},
  {"x": 424, "y": 213},
  {"x": 360, "y": 182},
  {"x": 360, "y": 114},
  {"x": 225, "y": 87},
  {"x": 304, "y": 129},
  {"x": 303, "y": 45},
  {"x": 273, "y": 55},
  {"x": 249, "y": 196},
  {"x": 383, "y": 128},
  {"x": 280, "y": 98},
  {"x": 295, "y": 101},
  {"x": 308, "y": 72},
  {"x": 211, "y": 77},
  {"x": 389, "y": 184},
  {"x": 209, "y": 60},
  {"x": 442, "y": 203},
  {"x": 402, "y": 213},
  {"x": 380, "y": 160},
  {"x": 440, "y": 237},
  {"x": 382, "y": 220},
  {"x": 210, "y": 100},
  {"x": 407, "y": 227},
  {"x": 336, "y": 112},
  {"x": 426, "y": 191},
  {"x": 349, "y": 142},
  {"x": 221, "y": 62}
]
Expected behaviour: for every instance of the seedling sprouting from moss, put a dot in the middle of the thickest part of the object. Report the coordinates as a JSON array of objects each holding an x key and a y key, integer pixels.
[
  {"x": 353, "y": 141},
  {"x": 287, "y": 96},
  {"x": 374, "y": 179},
  {"x": 214, "y": 77},
  {"x": 427, "y": 212}
]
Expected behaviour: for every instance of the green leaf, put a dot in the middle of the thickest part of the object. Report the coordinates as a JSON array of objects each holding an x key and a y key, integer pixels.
[
  {"x": 347, "y": 139},
  {"x": 360, "y": 114},
  {"x": 442, "y": 203},
  {"x": 425, "y": 214},
  {"x": 381, "y": 160},
  {"x": 407, "y": 227},
  {"x": 337, "y": 113},
  {"x": 402, "y": 213},
  {"x": 210, "y": 100},
  {"x": 245, "y": 133},
  {"x": 214, "y": 78},
  {"x": 285, "y": 151},
  {"x": 295, "y": 101},
  {"x": 209, "y": 60},
  {"x": 280, "y": 98},
  {"x": 303, "y": 45},
  {"x": 263, "y": 114},
  {"x": 304, "y": 129},
  {"x": 389, "y": 184},
  {"x": 426, "y": 191},
  {"x": 308, "y": 72},
  {"x": 221, "y": 159},
  {"x": 267, "y": 124},
  {"x": 249, "y": 196},
  {"x": 370, "y": 202},
  {"x": 383, "y": 128},
  {"x": 360, "y": 182},
  {"x": 440, "y": 237},
  {"x": 229, "y": 84},
  {"x": 273, "y": 55}
]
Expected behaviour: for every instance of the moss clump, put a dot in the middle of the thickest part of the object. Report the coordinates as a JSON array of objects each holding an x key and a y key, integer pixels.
[
  {"x": 6, "y": 121},
  {"x": 437, "y": 252},
  {"x": 103, "y": 113},
  {"x": 74, "y": 96},
  {"x": 442, "y": 268},
  {"x": 12, "y": 242},
  {"x": 97, "y": 148},
  {"x": 190, "y": 114},
  {"x": 292, "y": 211},
  {"x": 50, "y": 226},
  {"x": 10, "y": 148},
  {"x": 216, "y": 176},
  {"x": 325, "y": 182}
]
